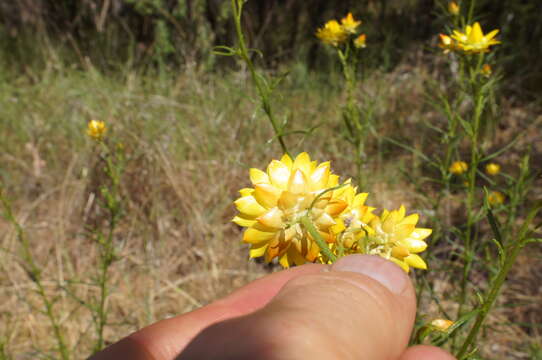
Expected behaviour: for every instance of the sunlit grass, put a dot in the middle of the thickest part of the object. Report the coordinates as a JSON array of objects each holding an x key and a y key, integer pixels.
[{"x": 189, "y": 141}]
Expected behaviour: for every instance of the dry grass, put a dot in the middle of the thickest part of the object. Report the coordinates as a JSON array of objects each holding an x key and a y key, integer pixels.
[{"x": 189, "y": 144}]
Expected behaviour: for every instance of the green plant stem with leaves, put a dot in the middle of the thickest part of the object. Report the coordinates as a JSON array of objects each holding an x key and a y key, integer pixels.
[
  {"x": 477, "y": 94},
  {"x": 507, "y": 259},
  {"x": 357, "y": 130},
  {"x": 262, "y": 84},
  {"x": 113, "y": 206},
  {"x": 34, "y": 273}
]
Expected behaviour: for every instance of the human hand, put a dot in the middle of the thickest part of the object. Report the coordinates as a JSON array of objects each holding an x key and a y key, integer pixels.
[{"x": 361, "y": 307}]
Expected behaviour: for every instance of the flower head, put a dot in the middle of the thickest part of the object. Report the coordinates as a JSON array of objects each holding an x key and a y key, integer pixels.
[
  {"x": 395, "y": 236},
  {"x": 96, "y": 129},
  {"x": 441, "y": 324},
  {"x": 493, "y": 169},
  {"x": 352, "y": 224},
  {"x": 495, "y": 198},
  {"x": 359, "y": 42},
  {"x": 272, "y": 209},
  {"x": 446, "y": 43},
  {"x": 458, "y": 167},
  {"x": 453, "y": 8},
  {"x": 349, "y": 24},
  {"x": 332, "y": 33},
  {"x": 473, "y": 39},
  {"x": 486, "y": 70}
]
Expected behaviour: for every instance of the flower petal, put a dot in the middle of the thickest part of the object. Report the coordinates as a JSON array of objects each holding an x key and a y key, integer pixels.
[
  {"x": 303, "y": 163},
  {"x": 272, "y": 218},
  {"x": 420, "y": 233},
  {"x": 257, "y": 250},
  {"x": 248, "y": 206},
  {"x": 253, "y": 236},
  {"x": 258, "y": 176},
  {"x": 244, "y": 222},
  {"x": 266, "y": 195},
  {"x": 416, "y": 261},
  {"x": 297, "y": 183},
  {"x": 279, "y": 173}
]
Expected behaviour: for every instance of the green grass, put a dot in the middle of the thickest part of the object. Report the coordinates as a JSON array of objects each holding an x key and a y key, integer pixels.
[{"x": 189, "y": 139}]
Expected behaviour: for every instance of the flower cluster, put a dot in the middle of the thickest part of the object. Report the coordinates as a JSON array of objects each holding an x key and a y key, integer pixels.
[
  {"x": 471, "y": 41},
  {"x": 292, "y": 192},
  {"x": 96, "y": 129},
  {"x": 335, "y": 33}
]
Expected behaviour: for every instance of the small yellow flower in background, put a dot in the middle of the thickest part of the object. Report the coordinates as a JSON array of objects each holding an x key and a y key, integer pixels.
[
  {"x": 473, "y": 40},
  {"x": 493, "y": 169},
  {"x": 495, "y": 198},
  {"x": 458, "y": 167},
  {"x": 446, "y": 43},
  {"x": 349, "y": 24},
  {"x": 332, "y": 33},
  {"x": 453, "y": 8},
  {"x": 272, "y": 210},
  {"x": 96, "y": 129},
  {"x": 442, "y": 324},
  {"x": 360, "y": 41},
  {"x": 395, "y": 237},
  {"x": 486, "y": 70}
]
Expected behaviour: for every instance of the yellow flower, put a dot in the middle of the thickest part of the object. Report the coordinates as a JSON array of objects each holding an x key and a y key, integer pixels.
[
  {"x": 359, "y": 42},
  {"x": 349, "y": 24},
  {"x": 458, "y": 167},
  {"x": 96, "y": 129},
  {"x": 332, "y": 33},
  {"x": 473, "y": 39},
  {"x": 446, "y": 43},
  {"x": 353, "y": 222},
  {"x": 493, "y": 169},
  {"x": 442, "y": 324},
  {"x": 453, "y": 8},
  {"x": 495, "y": 198},
  {"x": 486, "y": 70},
  {"x": 396, "y": 237},
  {"x": 272, "y": 209}
]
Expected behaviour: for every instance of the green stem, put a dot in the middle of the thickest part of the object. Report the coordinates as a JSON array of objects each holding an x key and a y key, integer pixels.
[
  {"x": 517, "y": 246},
  {"x": 34, "y": 272},
  {"x": 351, "y": 113},
  {"x": 263, "y": 89},
  {"x": 479, "y": 101},
  {"x": 309, "y": 226}
]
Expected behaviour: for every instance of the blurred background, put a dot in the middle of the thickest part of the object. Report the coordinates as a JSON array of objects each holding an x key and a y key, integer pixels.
[
  {"x": 176, "y": 33},
  {"x": 188, "y": 125}
]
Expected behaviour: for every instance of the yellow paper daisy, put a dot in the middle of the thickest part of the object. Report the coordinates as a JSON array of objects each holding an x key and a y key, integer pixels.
[
  {"x": 332, "y": 33},
  {"x": 493, "y": 169},
  {"x": 453, "y": 8},
  {"x": 458, "y": 167},
  {"x": 360, "y": 41},
  {"x": 395, "y": 237},
  {"x": 350, "y": 24},
  {"x": 272, "y": 209},
  {"x": 353, "y": 222},
  {"x": 473, "y": 39},
  {"x": 495, "y": 198},
  {"x": 96, "y": 129}
]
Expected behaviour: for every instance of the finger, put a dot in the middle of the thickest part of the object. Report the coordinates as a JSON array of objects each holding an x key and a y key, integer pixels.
[
  {"x": 363, "y": 308},
  {"x": 165, "y": 339},
  {"x": 423, "y": 352}
]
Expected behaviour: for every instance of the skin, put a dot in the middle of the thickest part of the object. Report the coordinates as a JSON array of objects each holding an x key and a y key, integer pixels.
[{"x": 361, "y": 307}]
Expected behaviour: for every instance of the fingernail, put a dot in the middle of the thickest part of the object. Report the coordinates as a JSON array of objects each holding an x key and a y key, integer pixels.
[{"x": 375, "y": 267}]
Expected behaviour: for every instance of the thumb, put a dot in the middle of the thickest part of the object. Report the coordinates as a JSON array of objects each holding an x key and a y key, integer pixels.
[{"x": 362, "y": 307}]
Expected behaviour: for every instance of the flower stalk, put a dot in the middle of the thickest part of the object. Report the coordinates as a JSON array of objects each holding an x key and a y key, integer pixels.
[{"x": 262, "y": 85}]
